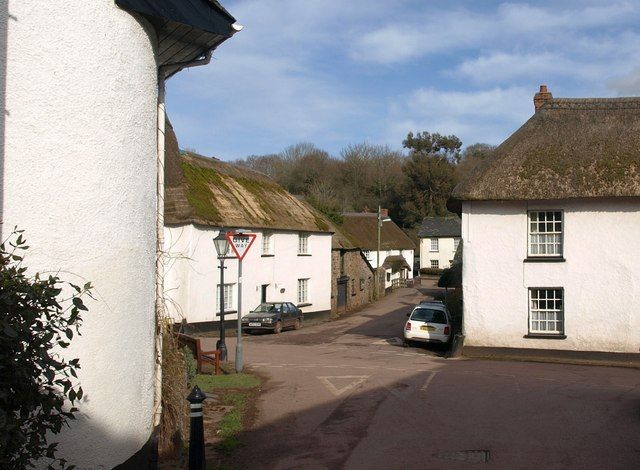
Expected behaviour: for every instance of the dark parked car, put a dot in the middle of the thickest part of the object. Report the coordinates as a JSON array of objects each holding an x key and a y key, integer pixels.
[{"x": 274, "y": 316}]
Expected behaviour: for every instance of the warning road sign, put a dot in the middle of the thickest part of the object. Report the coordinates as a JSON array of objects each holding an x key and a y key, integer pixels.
[{"x": 241, "y": 242}]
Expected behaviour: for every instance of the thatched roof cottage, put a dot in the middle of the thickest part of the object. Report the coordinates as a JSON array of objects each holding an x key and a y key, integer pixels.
[
  {"x": 289, "y": 261},
  {"x": 550, "y": 224}
]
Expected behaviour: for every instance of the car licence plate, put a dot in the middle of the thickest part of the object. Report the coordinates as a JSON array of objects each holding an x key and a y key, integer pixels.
[
  {"x": 255, "y": 324},
  {"x": 428, "y": 328}
]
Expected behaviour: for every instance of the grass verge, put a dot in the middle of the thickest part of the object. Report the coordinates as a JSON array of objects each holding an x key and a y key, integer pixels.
[{"x": 240, "y": 392}]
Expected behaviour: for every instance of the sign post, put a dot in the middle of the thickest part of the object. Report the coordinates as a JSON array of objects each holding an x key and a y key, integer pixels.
[{"x": 240, "y": 243}]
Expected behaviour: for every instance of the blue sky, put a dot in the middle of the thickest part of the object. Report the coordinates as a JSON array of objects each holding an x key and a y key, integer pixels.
[{"x": 340, "y": 72}]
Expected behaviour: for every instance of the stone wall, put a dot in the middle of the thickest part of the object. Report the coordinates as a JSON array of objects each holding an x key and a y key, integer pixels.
[{"x": 350, "y": 266}]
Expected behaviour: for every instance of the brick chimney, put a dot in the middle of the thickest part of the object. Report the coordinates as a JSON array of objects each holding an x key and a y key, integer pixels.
[
  {"x": 384, "y": 213},
  {"x": 541, "y": 97}
]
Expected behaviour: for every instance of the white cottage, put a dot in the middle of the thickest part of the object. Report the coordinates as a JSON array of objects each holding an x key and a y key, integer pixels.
[
  {"x": 290, "y": 259},
  {"x": 81, "y": 133},
  {"x": 439, "y": 240},
  {"x": 550, "y": 227}
]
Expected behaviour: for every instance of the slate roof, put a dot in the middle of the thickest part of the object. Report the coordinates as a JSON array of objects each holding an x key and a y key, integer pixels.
[
  {"x": 570, "y": 148},
  {"x": 361, "y": 229},
  {"x": 207, "y": 191},
  {"x": 433, "y": 227}
]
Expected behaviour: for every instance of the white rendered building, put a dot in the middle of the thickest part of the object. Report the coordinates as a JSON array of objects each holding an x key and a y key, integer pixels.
[
  {"x": 550, "y": 229},
  {"x": 290, "y": 259},
  {"x": 82, "y": 114},
  {"x": 439, "y": 239}
]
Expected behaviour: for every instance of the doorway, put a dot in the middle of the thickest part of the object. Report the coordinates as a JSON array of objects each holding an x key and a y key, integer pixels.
[{"x": 263, "y": 295}]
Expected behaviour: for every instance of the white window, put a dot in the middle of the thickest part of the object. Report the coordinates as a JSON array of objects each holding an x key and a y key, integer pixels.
[
  {"x": 228, "y": 297},
  {"x": 546, "y": 311},
  {"x": 456, "y": 243},
  {"x": 303, "y": 291},
  {"x": 545, "y": 233},
  {"x": 266, "y": 244},
  {"x": 435, "y": 264},
  {"x": 303, "y": 244},
  {"x": 434, "y": 244},
  {"x": 366, "y": 253}
]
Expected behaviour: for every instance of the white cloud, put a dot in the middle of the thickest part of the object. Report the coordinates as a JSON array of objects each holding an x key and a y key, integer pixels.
[
  {"x": 474, "y": 116},
  {"x": 433, "y": 31}
]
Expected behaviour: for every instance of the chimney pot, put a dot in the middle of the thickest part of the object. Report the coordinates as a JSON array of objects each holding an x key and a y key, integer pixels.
[{"x": 541, "y": 97}]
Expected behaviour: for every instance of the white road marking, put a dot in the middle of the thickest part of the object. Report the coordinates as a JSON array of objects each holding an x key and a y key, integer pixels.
[
  {"x": 428, "y": 381},
  {"x": 354, "y": 382}
]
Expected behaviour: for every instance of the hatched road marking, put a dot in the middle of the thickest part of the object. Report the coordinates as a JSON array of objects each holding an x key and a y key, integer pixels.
[{"x": 353, "y": 382}]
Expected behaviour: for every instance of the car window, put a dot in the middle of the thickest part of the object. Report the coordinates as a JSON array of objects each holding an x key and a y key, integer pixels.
[{"x": 429, "y": 315}]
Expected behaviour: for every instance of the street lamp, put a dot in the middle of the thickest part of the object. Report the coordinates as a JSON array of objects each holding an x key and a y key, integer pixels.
[
  {"x": 222, "y": 247},
  {"x": 380, "y": 221}
]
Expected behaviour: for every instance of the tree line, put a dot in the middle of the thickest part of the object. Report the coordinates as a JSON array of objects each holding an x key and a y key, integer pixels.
[{"x": 412, "y": 185}]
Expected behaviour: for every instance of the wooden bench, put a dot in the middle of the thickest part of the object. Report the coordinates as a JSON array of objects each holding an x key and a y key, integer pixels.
[{"x": 201, "y": 356}]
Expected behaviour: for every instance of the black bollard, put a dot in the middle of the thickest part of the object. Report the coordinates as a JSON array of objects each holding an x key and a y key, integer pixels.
[{"x": 196, "y": 433}]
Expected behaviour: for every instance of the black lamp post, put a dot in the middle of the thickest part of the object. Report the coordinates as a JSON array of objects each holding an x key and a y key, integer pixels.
[{"x": 222, "y": 246}]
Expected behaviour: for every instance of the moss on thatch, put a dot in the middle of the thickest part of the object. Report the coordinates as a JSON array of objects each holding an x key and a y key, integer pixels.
[
  {"x": 570, "y": 148},
  {"x": 207, "y": 191}
]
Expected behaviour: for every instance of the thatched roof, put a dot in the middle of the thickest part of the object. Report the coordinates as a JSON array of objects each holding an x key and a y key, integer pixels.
[
  {"x": 440, "y": 227},
  {"x": 570, "y": 148},
  {"x": 361, "y": 229},
  {"x": 207, "y": 191},
  {"x": 395, "y": 263}
]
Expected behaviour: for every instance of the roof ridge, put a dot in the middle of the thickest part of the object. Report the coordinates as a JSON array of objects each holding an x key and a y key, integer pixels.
[{"x": 592, "y": 103}]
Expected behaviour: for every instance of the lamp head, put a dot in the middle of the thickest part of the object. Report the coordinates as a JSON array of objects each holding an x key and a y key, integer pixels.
[{"x": 221, "y": 243}]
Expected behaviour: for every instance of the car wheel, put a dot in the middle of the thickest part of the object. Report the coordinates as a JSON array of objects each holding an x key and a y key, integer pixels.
[
  {"x": 278, "y": 328},
  {"x": 298, "y": 324}
]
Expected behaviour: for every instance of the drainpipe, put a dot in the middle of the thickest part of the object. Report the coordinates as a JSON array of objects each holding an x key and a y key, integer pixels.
[{"x": 159, "y": 310}]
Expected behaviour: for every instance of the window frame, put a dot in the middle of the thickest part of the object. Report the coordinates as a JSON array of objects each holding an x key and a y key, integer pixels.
[
  {"x": 539, "y": 333},
  {"x": 303, "y": 244},
  {"x": 268, "y": 238},
  {"x": 543, "y": 256},
  {"x": 431, "y": 264},
  {"x": 303, "y": 288},
  {"x": 437, "y": 245},
  {"x": 456, "y": 243},
  {"x": 227, "y": 308}
]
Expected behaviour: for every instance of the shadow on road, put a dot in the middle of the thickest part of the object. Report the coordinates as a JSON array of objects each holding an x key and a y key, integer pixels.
[{"x": 480, "y": 413}]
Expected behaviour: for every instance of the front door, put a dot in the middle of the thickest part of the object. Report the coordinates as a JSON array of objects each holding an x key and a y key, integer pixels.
[
  {"x": 263, "y": 296},
  {"x": 342, "y": 294}
]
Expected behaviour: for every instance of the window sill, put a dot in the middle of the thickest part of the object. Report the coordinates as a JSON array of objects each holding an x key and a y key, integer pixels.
[
  {"x": 267, "y": 255},
  {"x": 304, "y": 254},
  {"x": 544, "y": 260},
  {"x": 304, "y": 304},
  {"x": 543, "y": 336}
]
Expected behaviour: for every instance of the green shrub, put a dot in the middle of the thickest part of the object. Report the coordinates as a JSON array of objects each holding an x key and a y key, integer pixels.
[
  {"x": 431, "y": 271},
  {"x": 36, "y": 320}
]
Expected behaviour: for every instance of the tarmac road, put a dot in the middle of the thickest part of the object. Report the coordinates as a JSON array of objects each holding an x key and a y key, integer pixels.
[{"x": 347, "y": 394}]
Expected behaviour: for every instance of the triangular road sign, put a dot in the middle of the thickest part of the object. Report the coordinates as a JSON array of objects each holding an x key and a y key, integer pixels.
[
  {"x": 338, "y": 384},
  {"x": 241, "y": 242}
]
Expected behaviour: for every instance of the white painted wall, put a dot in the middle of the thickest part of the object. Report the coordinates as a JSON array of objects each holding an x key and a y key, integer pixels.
[
  {"x": 192, "y": 274},
  {"x": 444, "y": 255},
  {"x": 79, "y": 159},
  {"x": 601, "y": 275}
]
